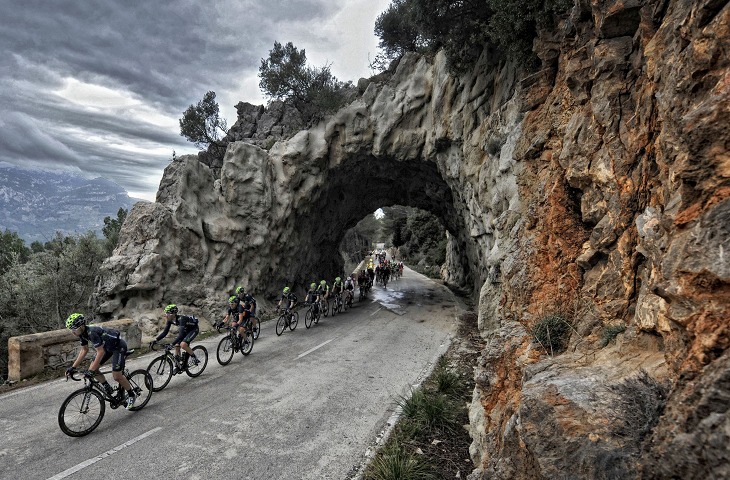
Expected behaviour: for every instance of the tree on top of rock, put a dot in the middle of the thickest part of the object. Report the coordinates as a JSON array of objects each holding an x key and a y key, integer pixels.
[
  {"x": 202, "y": 124},
  {"x": 313, "y": 91}
]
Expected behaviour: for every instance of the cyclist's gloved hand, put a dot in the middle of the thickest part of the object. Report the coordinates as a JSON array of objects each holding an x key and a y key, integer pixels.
[
  {"x": 153, "y": 343},
  {"x": 89, "y": 373},
  {"x": 70, "y": 371}
]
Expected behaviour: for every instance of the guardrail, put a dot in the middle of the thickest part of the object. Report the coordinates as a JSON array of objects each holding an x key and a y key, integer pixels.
[{"x": 29, "y": 355}]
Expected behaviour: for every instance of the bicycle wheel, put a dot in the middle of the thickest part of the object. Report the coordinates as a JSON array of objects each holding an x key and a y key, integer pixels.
[
  {"x": 201, "y": 353},
  {"x": 224, "y": 352},
  {"x": 308, "y": 318},
  {"x": 81, "y": 412},
  {"x": 247, "y": 343},
  {"x": 324, "y": 307},
  {"x": 294, "y": 321},
  {"x": 256, "y": 329},
  {"x": 141, "y": 382},
  {"x": 334, "y": 308},
  {"x": 347, "y": 302},
  {"x": 281, "y": 324},
  {"x": 161, "y": 371}
]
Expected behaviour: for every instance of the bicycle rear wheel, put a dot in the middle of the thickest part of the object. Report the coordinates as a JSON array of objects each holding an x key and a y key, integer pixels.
[
  {"x": 141, "y": 382},
  {"x": 308, "y": 318},
  {"x": 281, "y": 324},
  {"x": 225, "y": 351},
  {"x": 256, "y": 328},
  {"x": 201, "y": 353},
  {"x": 294, "y": 321},
  {"x": 247, "y": 343},
  {"x": 161, "y": 371},
  {"x": 81, "y": 412}
]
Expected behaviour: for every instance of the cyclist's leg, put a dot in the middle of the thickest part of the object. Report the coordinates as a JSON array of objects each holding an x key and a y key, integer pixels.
[
  {"x": 188, "y": 339},
  {"x": 118, "y": 361}
]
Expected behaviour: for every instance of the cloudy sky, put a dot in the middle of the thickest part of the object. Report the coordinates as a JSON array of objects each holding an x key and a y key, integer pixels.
[{"x": 99, "y": 86}]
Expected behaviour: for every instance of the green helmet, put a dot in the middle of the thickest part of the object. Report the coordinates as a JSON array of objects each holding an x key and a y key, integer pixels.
[
  {"x": 232, "y": 299},
  {"x": 313, "y": 285},
  {"x": 172, "y": 308},
  {"x": 338, "y": 279},
  {"x": 287, "y": 290},
  {"x": 323, "y": 282},
  {"x": 240, "y": 289},
  {"x": 75, "y": 320}
]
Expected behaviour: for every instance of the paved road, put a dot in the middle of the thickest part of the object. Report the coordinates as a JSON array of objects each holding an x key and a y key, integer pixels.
[{"x": 306, "y": 405}]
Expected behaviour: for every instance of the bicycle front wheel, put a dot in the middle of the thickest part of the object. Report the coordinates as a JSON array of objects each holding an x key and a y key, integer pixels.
[
  {"x": 201, "y": 353},
  {"x": 225, "y": 350},
  {"x": 294, "y": 321},
  {"x": 142, "y": 383},
  {"x": 81, "y": 412},
  {"x": 161, "y": 371},
  {"x": 308, "y": 318},
  {"x": 281, "y": 324}
]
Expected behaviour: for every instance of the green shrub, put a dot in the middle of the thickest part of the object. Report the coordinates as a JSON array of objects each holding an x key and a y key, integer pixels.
[
  {"x": 552, "y": 333},
  {"x": 396, "y": 462}
]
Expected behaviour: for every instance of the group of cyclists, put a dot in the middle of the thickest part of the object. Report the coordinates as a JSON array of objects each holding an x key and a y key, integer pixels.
[{"x": 240, "y": 316}]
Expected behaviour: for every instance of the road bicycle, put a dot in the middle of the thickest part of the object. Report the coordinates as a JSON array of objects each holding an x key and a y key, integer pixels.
[
  {"x": 233, "y": 343},
  {"x": 337, "y": 304},
  {"x": 349, "y": 298},
  {"x": 83, "y": 409},
  {"x": 288, "y": 318},
  {"x": 312, "y": 316},
  {"x": 324, "y": 306},
  {"x": 166, "y": 365}
]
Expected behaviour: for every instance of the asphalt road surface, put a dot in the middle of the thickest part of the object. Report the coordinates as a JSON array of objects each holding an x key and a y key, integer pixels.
[{"x": 306, "y": 405}]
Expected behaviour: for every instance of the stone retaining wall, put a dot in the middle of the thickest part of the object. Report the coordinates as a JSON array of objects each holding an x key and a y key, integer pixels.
[{"x": 29, "y": 355}]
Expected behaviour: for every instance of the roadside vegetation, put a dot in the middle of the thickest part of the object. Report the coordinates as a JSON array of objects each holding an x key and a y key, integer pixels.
[
  {"x": 430, "y": 441},
  {"x": 41, "y": 284}
]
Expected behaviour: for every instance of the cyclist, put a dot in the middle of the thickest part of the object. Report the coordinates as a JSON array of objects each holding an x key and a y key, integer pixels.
[
  {"x": 108, "y": 344},
  {"x": 288, "y": 299},
  {"x": 188, "y": 330},
  {"x": 236, "y": 315},
  {"x": 249, "y": 304},
  {"x": 313, "y": 298},
  {"x": 337, "y": 288},
  {"x": 350, "y": 288}
]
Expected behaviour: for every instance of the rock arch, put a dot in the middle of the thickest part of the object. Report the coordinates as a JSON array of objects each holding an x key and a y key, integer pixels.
[{"x": 278, "y": 216}]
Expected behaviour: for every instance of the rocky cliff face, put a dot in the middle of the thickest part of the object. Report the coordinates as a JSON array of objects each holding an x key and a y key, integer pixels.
[{"x": 596, "y": 189}]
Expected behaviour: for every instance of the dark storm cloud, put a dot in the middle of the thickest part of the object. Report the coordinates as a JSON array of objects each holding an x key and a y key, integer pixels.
[{"x": 99, "y": 85}]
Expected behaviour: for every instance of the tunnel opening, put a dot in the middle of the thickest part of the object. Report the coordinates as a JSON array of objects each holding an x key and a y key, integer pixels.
[{"x": 355, "y": 189}]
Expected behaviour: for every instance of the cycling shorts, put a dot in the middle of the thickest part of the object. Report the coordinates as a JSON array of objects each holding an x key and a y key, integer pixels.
[
  {"x": 118, "y": 356},
  {"x": 186, "y": 335}
]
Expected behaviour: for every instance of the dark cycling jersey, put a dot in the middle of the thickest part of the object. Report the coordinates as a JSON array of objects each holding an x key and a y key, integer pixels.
[
  {"x": 323, "y": 290},
  {"x": 249, "y": 303},
  {"x": 234, "y": 312},
  {"x": 114, "y": 347},
  {"x": 337, "y": 288},
  {"x": 349, "y": 284},
  {"x": 290, "y": 296},
  {"x": 312, "y": 295},
  {"x": 188, "y": 328}
]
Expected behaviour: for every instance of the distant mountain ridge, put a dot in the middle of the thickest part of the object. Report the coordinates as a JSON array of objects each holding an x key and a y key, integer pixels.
[{"x": 37, "y": 203}]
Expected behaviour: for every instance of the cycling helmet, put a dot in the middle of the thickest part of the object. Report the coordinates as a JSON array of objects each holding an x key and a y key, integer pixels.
[
  {"x": 313, "y": 285},
  {"x": 287, "y": 289},
  {"x": 172, "y": 308},
  {"x": 323, "y": 282},
  {"x": 240, "y": 290},
  {"x": 232, "y": 299},
  {"x": 338, "y": 279},
  {"x": 75, "y": 320}
]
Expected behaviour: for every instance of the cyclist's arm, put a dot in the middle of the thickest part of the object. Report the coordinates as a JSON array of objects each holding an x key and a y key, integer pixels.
[
  {"x": 96, "y": 363},
  {"x": 164, "y": 332},
  {"x": 80, "y": 357}
]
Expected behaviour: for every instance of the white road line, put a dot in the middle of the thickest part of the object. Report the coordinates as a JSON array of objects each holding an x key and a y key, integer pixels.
[
  {"x": 376, "y": 311},
  {"x": 108, "y": 453},
  {"x": 315, "y": 348}
]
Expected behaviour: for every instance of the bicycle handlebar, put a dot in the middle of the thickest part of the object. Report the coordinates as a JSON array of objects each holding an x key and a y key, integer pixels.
[{"x": 166, "y": 346}]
